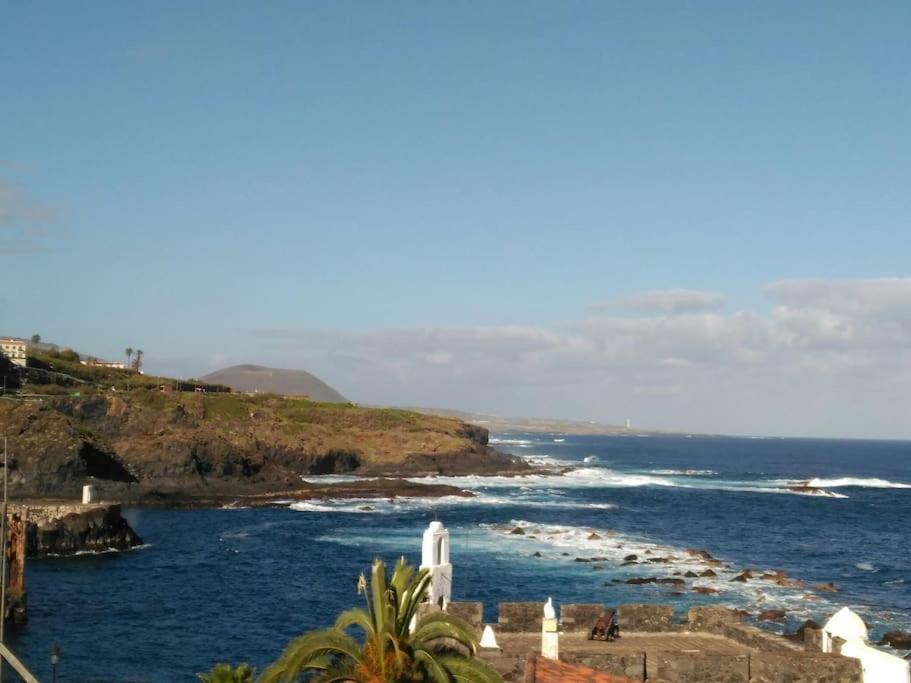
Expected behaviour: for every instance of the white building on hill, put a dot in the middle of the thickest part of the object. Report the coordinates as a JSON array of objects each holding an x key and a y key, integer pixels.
[{"x": 14, "y": 349}]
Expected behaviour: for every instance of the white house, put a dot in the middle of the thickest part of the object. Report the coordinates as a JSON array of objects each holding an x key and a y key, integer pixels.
[
  {"x": 14, "y": 349},
  {"x": 878, "y": 666}
]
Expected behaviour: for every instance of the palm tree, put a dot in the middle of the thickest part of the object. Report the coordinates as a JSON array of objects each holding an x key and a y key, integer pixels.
[
  {"x": 138, "y": 362},
  {"x": 223, "y": 673},
  {"x": 129, "y": 354},
  {"x": 388, "y": 652}
]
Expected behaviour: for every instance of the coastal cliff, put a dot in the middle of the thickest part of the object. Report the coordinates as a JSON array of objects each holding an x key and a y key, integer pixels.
[
  {"x": 69, "y": 529},
  {"x": 144, "y": 442}
]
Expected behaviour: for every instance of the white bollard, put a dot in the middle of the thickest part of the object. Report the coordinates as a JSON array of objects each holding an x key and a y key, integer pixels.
[
  {"x": 88, "y": 494},
  {"x": 488, "y": 639},
  {"x": 550, "y": 637}
]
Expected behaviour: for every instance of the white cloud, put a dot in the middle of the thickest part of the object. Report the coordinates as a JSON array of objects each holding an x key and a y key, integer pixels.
[
  {"x": 830, "y": 358},
  {"x": 666, "y": 301}
]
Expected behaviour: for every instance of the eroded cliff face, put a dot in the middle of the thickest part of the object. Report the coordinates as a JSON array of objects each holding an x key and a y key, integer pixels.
[
  {"x": 71, "y": 529},
  {"x": 185, "y": 442}
]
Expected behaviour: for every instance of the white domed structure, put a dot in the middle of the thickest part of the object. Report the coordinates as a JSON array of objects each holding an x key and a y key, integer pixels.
[
  {"x": 845, "y": 624},
  {"x": 877, "y": 666}
]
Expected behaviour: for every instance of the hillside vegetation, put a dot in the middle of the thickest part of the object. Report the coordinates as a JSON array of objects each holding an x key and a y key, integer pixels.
[{"x": 139, "y": 438}]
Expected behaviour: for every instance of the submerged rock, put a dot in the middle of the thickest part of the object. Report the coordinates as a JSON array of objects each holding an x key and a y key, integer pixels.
[
  {"x": 744, "y": 576},
  {"x": 518, "y": 531},
  {"x": 826, "y": 587}
]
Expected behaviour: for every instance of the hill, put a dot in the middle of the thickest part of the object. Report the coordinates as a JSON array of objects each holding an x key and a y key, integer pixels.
[{"x": 259, "y": 379}]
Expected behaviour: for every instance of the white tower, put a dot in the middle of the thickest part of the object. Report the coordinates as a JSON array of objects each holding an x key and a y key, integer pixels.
[
  {"x": 435, "y": 557},
  {"x": 550, "y": 637}
]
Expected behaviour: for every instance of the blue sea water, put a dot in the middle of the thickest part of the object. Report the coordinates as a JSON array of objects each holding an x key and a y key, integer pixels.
[{"x": 237, "y": 584}]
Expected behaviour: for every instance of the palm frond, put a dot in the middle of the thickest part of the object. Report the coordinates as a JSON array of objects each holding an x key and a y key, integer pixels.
[
  {"x": 341, "y": 672},
  {"x": 442, "y": 625},
  {"x": 433, "y": 670},
  {"x": 308, "y": 652},
  {"x": 355, "y": 617},
  {"x": 465, "y": 670}
]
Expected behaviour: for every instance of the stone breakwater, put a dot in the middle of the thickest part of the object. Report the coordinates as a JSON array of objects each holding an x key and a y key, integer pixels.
[{"x": 53, "y": 530}]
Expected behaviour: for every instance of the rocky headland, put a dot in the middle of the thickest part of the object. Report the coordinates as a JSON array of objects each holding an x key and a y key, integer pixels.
[{"x": 146, "y": 445}]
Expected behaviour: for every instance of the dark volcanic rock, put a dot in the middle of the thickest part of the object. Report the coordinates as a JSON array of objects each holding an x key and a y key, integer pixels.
[
  {"x": 826, "y": 587},
  {"x": 518, "y": 531},
  {"x": 630, "y": 558},
  {"x": 772, "y": 615},
  {"x": 743, "y": 577},
  {"x": 708, "y": 573},
  {"x": 897, "y": 639},
  {"x": 95, "y": 529}
]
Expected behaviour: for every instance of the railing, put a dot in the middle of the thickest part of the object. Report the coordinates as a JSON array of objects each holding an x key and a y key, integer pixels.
[{"x": 17, "y": 665}]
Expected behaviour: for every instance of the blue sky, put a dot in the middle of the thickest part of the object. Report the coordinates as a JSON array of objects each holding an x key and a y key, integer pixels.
[{"x": 229, "y": 182}]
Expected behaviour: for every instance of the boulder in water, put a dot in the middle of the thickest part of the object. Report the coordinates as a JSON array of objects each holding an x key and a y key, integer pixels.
[
  {"x": 518, "y": 531},
  {"x": 743, "y": 576},
  {"x": 826, "y": 587},
  {"x": 897, "y": 639},
  {"x": 772, "y": 615}
]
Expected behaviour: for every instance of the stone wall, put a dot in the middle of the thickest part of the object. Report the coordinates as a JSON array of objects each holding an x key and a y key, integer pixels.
[
  {"x": 770, "y": 667},
  {"x": 520, "y": 617},
  {"x": 631, "y": 665},
  {"x": 754, "y": 637},
  {"x": 684, "y": 667},
  {"x": 580, "y": 618},
  {"x": 471, "y": 612},
  {"x": 812, "y": 639},
  {"x": 711, "y": 619},
  {"x": 646, "y": 618}
]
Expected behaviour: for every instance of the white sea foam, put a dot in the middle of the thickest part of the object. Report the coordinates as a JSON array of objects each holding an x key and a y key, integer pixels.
[
  {"x": 521, "y": 443},
  {"x": 405, "y": 504},
  {"x": 860, "y": 482},
  {"x": 564, "y": 544},
  {"x": 602, "y": 477},
  {"x": 866, "y": 566},
  {"x": 685, "y": 473}
]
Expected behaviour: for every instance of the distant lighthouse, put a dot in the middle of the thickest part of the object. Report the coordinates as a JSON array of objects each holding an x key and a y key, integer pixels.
[
  {"x": 435, "y": 558},
  {"x": 628, "y": 423}
]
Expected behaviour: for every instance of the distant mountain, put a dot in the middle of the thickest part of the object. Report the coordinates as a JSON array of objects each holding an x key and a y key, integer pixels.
[{"x": 275, "y": 381}]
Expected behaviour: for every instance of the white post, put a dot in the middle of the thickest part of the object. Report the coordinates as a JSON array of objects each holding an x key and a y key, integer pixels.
[
  {"x": 435, "y": 558},
  {"x": 88, "y": 494},
  {"x": 550, "y": 637}
]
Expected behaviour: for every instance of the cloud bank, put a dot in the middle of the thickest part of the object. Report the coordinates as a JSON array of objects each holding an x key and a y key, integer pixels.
[{"x": 828, "y": 358}]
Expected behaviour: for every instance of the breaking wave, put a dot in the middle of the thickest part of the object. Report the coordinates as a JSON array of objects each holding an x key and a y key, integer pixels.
[{"x": 859, "y": 482}]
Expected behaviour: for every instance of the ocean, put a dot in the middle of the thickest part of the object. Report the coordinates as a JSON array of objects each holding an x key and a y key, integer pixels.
[{"x": 237, "y": 584}]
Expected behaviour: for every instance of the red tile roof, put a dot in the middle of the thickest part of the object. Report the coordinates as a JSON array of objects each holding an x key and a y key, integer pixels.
[{"x": 542, "y": 670}]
